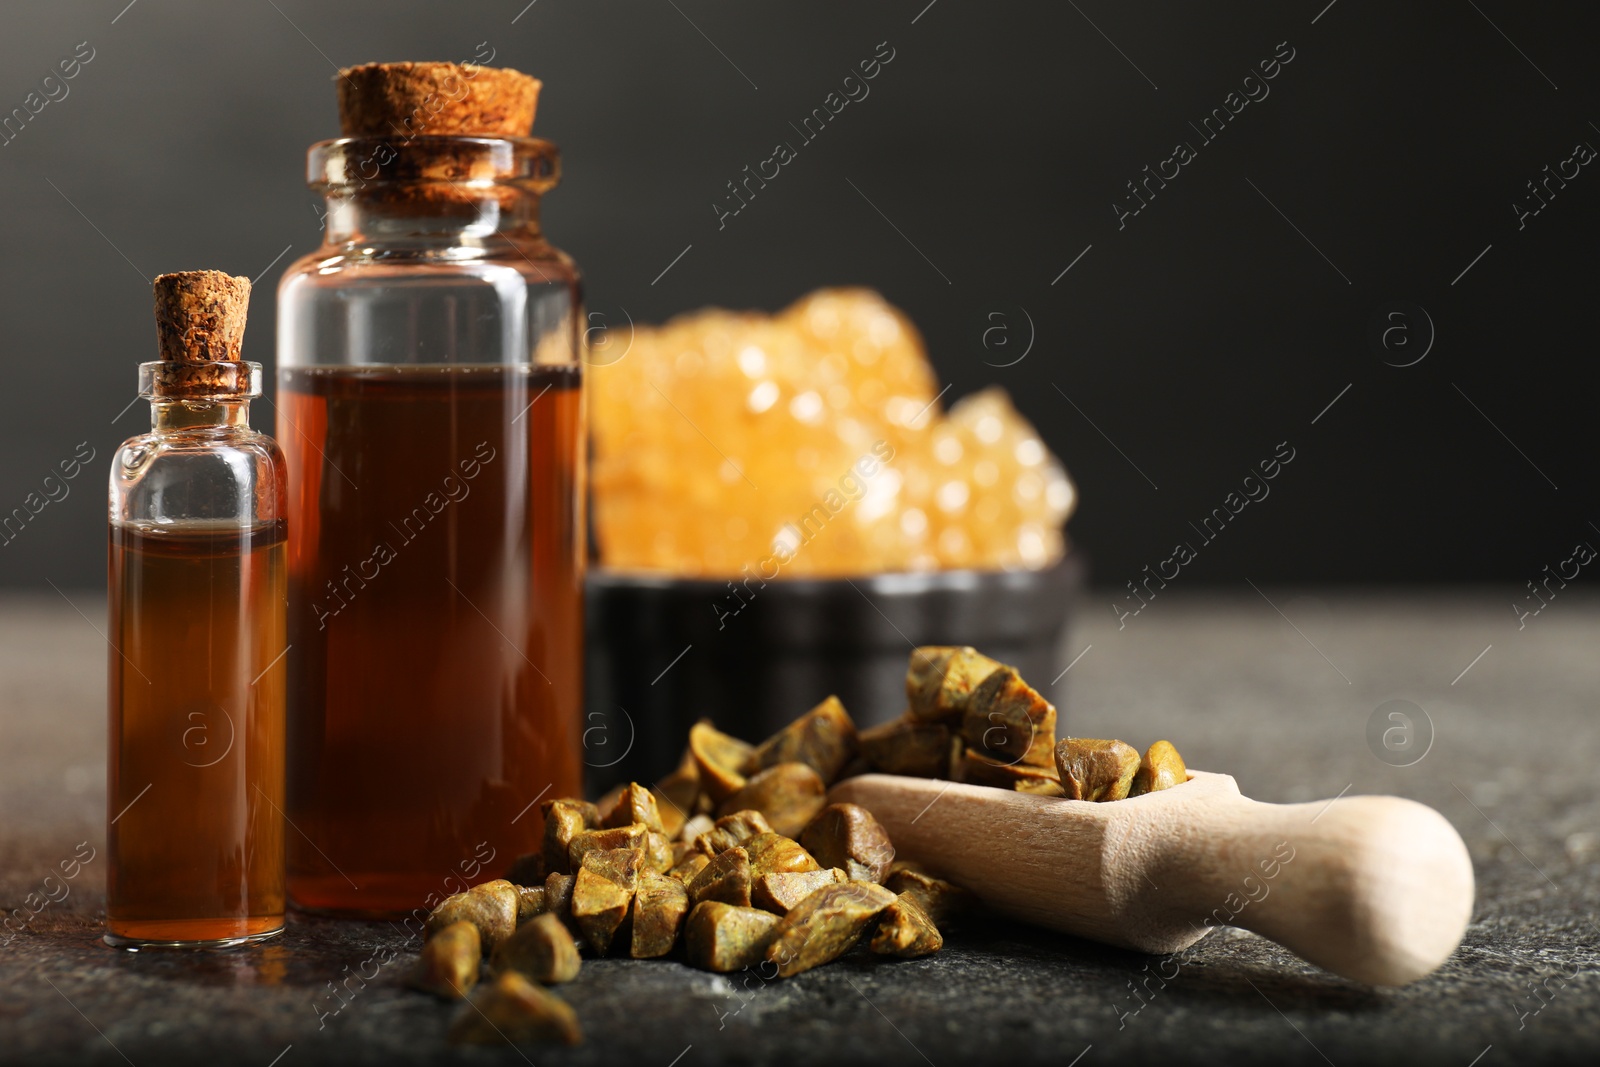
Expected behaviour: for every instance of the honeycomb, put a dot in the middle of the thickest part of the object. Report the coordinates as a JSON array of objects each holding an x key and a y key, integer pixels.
[{"x": 811, "y": 443}]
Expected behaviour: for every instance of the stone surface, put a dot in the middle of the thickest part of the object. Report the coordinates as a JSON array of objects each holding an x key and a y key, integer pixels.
[{"x": 1235, "y": 687}]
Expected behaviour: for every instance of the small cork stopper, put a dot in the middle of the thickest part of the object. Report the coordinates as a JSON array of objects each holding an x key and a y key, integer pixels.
[
  {"x": 415, "y": 99},
  {"x": 200, "y": 316}
]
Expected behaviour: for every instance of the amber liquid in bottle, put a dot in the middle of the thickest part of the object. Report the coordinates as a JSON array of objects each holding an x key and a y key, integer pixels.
[
  {"x": 436, "y": 682},
  {"x": 196, "y": 745}
]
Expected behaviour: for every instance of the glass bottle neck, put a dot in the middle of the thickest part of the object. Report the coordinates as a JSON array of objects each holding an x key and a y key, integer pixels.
[
  {"x": 168, "y": 415},
  {"x": 355, "y": 220},
  {"x": 432, "y": 191}
]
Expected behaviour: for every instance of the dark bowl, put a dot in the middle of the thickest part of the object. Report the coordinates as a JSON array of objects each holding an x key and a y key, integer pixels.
[{"x": 665, "y": 652}]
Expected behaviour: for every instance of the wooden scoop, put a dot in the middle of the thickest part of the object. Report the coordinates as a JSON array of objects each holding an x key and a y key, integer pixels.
[{"x": 1378, "y": 889}]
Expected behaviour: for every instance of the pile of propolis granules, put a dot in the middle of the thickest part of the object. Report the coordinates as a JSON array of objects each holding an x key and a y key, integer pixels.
[
  {"x": 810, "y": 442},
  {"x": 736, "y": 861}
]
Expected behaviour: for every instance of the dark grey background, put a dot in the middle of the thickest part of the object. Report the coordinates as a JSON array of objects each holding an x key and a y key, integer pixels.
[{"x": 1208, "y": 330}]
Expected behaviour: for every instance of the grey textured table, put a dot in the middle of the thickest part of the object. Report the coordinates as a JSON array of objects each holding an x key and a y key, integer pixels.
[{"x": 1282, "y": 706}]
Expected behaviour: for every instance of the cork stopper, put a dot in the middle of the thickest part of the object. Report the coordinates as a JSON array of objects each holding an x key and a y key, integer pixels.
[
  {"x": 200, "y": 316},
  {"x": 415, "y": 99}
]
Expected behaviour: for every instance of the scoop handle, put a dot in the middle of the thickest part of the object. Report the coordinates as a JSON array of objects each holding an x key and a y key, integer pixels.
[{"x": 1374, "y": 888}]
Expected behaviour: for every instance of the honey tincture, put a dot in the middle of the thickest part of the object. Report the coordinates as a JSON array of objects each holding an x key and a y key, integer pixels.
[
  {"x": 430, "y": 405},
  {"x": 198, "y": 587}
]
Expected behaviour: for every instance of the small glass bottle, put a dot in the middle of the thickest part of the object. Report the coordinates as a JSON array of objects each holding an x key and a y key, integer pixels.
[
  {"x": 198, "y": 590},
  {"x": 430, "y": 405}
]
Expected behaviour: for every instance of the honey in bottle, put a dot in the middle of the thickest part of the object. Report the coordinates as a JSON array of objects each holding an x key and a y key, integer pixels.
[
  {"x": 430, "y": 406},
  {"x": 198, "y": 588}
]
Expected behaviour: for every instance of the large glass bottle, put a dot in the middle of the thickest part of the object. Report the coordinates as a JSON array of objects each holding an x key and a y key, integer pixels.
[
  {"x": 197, "y": 584},
  {"x": 431, "y": 407}
]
